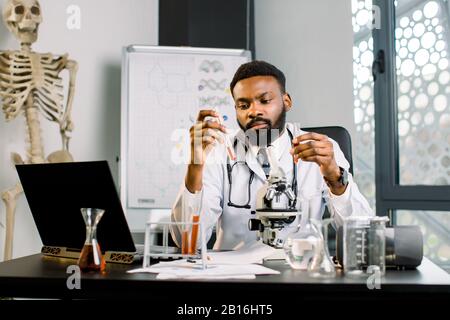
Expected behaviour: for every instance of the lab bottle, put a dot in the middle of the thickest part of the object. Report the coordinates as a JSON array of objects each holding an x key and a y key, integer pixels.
[{"x": 91, "y": 258}]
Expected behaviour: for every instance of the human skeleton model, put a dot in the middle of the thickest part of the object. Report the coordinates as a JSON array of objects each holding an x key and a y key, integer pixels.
[{"x": 30, "y": 84}]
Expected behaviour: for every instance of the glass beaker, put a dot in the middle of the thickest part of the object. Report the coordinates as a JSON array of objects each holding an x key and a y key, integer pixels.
[
  {"x": 190, "y": 216},
  {"x": 91, "y": 258},
  {"x": 321, "y": 265},
  {"x": 355, "y": 244},
  {"x": 301, "y": 242},
  {"x": 364, "y": 244},
  {"x": 376, "y": 257}
]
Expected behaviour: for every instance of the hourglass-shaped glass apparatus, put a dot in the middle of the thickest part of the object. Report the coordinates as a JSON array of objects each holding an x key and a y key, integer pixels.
[{"x": 91, "y": 258}]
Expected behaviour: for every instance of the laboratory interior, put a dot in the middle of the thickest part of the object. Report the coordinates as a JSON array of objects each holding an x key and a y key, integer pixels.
[{"x": 225, "y": 158}]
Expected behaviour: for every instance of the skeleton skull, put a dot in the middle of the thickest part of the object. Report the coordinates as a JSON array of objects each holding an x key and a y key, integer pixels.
[{"x": 22, "y": 18}]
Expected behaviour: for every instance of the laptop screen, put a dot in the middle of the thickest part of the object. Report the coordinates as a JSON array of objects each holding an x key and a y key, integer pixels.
[{"x": 57, "y": 191}]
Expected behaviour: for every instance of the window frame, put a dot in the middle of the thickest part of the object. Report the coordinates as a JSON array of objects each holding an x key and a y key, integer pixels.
[{"x": 390, "y": 194}]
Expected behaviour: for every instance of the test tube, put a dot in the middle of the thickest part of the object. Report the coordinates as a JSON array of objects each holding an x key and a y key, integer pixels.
[
  {"x": 228, "y": 144},
  {"x": 194, "y": 234},
  {"x": 185, "y": 226},
  {"x": 185, "y": 241}
]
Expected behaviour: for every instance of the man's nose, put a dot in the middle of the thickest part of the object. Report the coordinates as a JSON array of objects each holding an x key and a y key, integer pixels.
[{"x": 255, "y": 110}]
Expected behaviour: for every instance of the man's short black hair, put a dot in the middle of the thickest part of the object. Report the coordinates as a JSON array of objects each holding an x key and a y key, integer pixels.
[{"x": 258, "y": 68}]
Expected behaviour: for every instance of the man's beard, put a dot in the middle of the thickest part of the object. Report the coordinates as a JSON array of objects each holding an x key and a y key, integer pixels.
[{"x": 264, "y": 137}]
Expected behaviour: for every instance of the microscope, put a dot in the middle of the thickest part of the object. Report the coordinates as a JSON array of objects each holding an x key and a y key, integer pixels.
[{"x": 275, "y": 205}]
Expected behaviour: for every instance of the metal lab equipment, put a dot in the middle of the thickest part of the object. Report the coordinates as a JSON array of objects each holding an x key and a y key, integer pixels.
[{"x": 276, "y": 204}]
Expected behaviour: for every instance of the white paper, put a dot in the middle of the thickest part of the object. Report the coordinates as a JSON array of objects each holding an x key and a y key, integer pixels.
[
  {"x": 251, "y": 253},
  {"x": 187, "y": 270},
  {"x": 168, "y": 276},
  {"x": 237, "y": 264}
]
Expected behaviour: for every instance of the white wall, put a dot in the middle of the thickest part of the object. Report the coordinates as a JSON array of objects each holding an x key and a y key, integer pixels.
[
  {"x": 311, "y": 41},
  {"x": 106, "y": 26}
]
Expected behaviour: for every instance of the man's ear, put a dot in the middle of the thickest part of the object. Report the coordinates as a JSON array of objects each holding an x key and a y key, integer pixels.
[{"x": 287, "y": 101}]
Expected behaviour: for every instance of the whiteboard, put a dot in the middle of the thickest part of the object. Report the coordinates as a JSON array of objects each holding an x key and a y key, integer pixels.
[{"x": 163, "y": 89}]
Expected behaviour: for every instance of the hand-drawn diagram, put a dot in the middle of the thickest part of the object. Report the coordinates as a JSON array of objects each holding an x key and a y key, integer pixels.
[
  {"x": 213, "y": 101},
  {"x": 164, "y": 99},
  {"x": 212, "y": 84},
  {"x": 211, "y": 66}
]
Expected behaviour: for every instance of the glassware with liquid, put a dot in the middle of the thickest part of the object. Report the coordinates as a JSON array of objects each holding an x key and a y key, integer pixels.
[
  {"x": 91, "y": 258},
  {"x": 190, "y": 216},
  {"x": 321, "y": 265},
  {"x": 300, "y": 244}
]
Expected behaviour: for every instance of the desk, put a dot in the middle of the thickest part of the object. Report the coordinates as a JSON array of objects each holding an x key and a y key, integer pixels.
[{"x": 45, "y": 277}]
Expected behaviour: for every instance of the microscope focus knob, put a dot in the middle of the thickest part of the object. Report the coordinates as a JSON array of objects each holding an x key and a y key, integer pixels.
[{"x": 254, "y": 224}]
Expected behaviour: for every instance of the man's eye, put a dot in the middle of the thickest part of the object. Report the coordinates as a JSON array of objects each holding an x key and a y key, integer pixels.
[
  {"x": 242, "y": 106},
  {"x": 265, "y": 101}
]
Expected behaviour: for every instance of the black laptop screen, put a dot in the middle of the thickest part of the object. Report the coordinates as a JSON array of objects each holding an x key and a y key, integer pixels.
[{"x": 57, "y": 191}]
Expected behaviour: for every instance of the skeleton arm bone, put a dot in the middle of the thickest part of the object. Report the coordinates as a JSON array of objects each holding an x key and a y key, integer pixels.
[{"x": 66, "y": 121}]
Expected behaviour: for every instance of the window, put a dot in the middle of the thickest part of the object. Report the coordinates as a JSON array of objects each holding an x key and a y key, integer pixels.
[
  {"x": 423, "y": 90},
  {"x": 412, "y": 119}
]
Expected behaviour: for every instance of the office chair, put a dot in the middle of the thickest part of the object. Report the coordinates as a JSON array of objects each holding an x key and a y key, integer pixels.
[{"x": 342, "y": 137}]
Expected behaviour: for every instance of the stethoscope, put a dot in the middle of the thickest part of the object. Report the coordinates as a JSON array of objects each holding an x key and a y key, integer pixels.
[{"x": 252, "y": 176}]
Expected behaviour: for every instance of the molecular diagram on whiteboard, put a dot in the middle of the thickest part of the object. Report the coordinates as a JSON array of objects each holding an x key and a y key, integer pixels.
[
  {"x": 211, "y": 66},
  {"x": 167, "y": 86},
  {"x": 213, "y": 101},
  {"x": 212, "y": 84}
]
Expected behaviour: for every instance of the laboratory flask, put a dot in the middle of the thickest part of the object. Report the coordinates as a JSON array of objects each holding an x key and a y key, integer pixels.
[
  {"x": 321, "y": 265},
  {"x": 91, "y": 258},
  {"x": 301, "y": 242}
]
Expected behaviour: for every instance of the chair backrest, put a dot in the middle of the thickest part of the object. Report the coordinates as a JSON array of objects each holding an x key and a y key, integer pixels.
[{"x": 341, "y": 136}]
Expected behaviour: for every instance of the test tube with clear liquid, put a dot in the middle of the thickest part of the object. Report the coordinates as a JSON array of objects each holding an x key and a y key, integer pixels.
[{"x": 228, "y": 144}]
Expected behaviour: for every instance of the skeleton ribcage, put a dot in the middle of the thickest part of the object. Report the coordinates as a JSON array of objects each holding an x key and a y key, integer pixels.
[{"x": 22, "y": 74}]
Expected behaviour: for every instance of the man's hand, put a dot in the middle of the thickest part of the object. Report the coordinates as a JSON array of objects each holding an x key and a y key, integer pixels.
[
  {"x": 204, "y": 135},
  {"x": 315, "y": 147}
]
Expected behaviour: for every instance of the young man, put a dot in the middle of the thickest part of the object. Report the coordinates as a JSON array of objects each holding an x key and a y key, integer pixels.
[{"x": 259, "y": 91}]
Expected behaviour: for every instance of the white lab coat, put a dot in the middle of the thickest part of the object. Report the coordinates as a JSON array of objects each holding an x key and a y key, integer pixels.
[{"x": 232, "y": 223}]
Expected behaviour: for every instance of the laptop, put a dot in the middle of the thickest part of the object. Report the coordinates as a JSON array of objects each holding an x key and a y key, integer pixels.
[{"x": 57, "y": 191}]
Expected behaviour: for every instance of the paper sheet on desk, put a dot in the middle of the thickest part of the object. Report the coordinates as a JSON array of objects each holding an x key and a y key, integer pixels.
[
  {"x": 182, "y": 269},
  {"x": 254, "y": 252},
  {"x": 237, "y": 264}
]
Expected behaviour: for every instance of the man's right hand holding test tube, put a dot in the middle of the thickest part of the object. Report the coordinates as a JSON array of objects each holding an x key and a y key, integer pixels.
[{"x": 204, "y": 134}]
